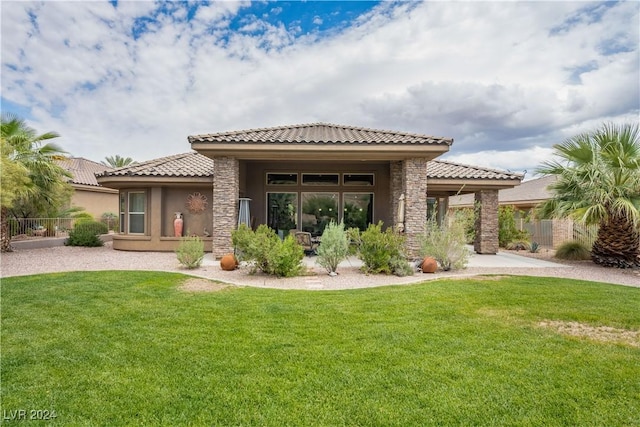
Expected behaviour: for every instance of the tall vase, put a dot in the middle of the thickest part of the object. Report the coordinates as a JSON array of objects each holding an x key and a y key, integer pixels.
[{"x": 177, "y": 224}]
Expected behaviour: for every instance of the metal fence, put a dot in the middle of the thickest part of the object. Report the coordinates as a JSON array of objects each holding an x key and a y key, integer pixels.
[
  {"x": 551, "y": 233},
  {"x": 24, "y": 228}
]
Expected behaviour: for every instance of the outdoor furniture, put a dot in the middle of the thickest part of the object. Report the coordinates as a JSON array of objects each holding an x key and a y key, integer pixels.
[{"x": 304, "y": 239}]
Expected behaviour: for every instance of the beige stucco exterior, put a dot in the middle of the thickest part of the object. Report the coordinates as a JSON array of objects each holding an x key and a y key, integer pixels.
[{"x": 95, "y": 200}]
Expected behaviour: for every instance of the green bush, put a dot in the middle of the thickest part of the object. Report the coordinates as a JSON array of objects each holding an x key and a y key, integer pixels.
[
  {"x": 190, "y": 252},
  {"x": 507, "y": 231},
  {"x": 380, "y": 251},
  {"x": 573, "y": 250},
  {"x": 86, "y": 233},
  {"x": 467, "y": 218},
  {"x": 334, "y": 248},
  {"x": 266, "y": 252},
  {"x": 286, "y": 259},
  {"x": 111, "y": 220},
  {"x": 445, "y": 244}
]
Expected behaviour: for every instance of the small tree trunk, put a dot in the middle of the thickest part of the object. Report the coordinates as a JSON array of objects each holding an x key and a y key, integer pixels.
[{"x": 5, "y": 238}]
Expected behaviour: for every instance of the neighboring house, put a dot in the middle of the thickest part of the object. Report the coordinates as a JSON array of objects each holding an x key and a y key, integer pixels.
[
  {"x": 297, "y": 177},
  {"x": 525, "y": 197},
  {"x": 88, "y": 194}
]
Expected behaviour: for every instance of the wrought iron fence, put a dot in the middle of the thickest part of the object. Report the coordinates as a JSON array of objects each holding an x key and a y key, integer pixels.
[{"x": 25, "y": 228}]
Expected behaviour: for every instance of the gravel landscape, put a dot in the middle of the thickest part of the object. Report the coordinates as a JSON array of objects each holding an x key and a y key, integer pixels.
[{"x": 65, "y": 258}]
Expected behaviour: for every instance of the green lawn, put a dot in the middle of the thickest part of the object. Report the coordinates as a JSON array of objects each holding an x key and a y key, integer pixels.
[{"x": 116, "y": 348}]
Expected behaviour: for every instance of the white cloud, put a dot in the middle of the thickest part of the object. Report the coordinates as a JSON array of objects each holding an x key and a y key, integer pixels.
[{"x": 494, "y": 76}]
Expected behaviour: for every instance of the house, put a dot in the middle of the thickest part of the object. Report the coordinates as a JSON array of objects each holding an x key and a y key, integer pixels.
[
  {"x": 524, "y": 198},
  {"x": 88, "y": 194},
  {"x": 297, "y": 177}
]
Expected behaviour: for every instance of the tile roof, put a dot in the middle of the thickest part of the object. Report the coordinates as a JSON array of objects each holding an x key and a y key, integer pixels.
[
  {"x": 318, "y": 133},
  {"x": 533, "y": 191},
  {"x": 448, "y": 170},
  {"x": 83, "y": 171},
  {"x": 197, "y": 165},
  {"x": 179, "y": 165}
]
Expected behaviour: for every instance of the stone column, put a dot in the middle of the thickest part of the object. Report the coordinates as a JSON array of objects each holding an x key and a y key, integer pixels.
[
  {"x": 395, "y": 182},
  {"x": 414, "y": 177},
  {"x": 486, "y": 241},
  {"x": 226, "y": 187}
]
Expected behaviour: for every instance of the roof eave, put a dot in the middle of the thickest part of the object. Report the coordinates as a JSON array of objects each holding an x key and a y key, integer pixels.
[
  {"x": 319, "y": 152},
  {"x": 118, "y": 182}
]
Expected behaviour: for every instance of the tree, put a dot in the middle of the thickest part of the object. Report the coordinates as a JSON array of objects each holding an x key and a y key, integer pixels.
[
  {"x": 117, "y": 161},
  {"x": 598, "y": 182},
  {"x": 32, "y": 177}
]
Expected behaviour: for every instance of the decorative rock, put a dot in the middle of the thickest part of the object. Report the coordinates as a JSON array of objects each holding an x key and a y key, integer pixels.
[
  {"x": 429, "y": 265},
  {"x": 228, "y": 262}
]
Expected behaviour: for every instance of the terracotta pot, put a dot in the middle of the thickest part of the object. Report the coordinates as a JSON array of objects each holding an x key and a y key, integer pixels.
[
  {"x": 228, "y": 262},
  {"x": 177, "y": 225},
  {"x": 429, "y": 265}
]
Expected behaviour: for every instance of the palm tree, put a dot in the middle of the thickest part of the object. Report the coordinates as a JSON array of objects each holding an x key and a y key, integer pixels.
[
  {"x": 117, "y": 161},
  {"x": 599, "y": 183},
  {"x": 33, "y": 175}
]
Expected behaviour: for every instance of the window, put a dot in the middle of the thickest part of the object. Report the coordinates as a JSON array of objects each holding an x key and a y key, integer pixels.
[
  {"x": 320, "y": 179},
  {"x": 123, "y": 207},
  {"x": 361, "y": 179},
  {"x": 358, "y": 210},
  {"x": 282, "y": 211},
  {"x": 318, "y": 209},
  {"x": 282, "y": 179},
  {"x": 137, "y": 202}
]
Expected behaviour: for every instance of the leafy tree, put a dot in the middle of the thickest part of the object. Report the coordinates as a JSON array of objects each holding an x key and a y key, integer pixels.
[
  {"x": 117, "y": 161},
  {"x": 32, "y": 179},
  {"x": 599, "y": 183}
]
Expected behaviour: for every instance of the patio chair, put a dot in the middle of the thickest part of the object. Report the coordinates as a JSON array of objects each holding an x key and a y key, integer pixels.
[{"x": 304, "y": 239}]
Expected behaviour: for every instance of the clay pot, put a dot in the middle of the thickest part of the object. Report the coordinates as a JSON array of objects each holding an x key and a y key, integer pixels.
[
  {"x": 228, "y": 262},
  {"x": 429, "y": 265},
  {"x": 177, "y": 225}
]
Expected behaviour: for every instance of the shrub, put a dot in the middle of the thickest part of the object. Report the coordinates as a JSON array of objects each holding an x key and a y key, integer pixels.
[
  {"x": 534, "y": 248},
  {"x": 467, "y": 219},
  {"x": 379, "y": 251},
  {"x": 445, "y": 244},
  {"x": 519, "y": 245},
  {"x": 86, "y": 233},
  {"x": 266, "y": 252},
  {"x": 573, "y": 250},
  {"x": 111, "y": 220},
  {"x": 507, "y": 231},
  {"x": 285, "y": 260},
  {"x": 334, "y": 247},
  {"x": 190, "y": 252}
]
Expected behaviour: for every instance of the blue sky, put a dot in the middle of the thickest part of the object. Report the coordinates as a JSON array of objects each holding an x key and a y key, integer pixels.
[{"x": 506, "y": 80}]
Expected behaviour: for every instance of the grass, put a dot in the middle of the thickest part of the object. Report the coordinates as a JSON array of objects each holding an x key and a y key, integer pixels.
[{"x": 121, "y": 348}]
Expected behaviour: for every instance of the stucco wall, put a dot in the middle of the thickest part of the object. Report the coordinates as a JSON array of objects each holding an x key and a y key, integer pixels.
[
  {"x": 95, "y": 203},
  {"x": 174, "y": 200}
]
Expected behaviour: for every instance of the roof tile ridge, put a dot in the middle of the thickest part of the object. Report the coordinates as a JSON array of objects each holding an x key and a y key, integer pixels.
[{"x": 480, "y": 168}]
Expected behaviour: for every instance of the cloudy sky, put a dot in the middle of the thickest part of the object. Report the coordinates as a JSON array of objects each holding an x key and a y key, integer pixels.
[{"x": 506, "y": 80}]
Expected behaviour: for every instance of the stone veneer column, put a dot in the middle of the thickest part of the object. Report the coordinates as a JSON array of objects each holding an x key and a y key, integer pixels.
[
  {"x": 395, "y": 190},
  {"x": 486, "y": 241},
  {"x": 226, "y": 187},
  {"x": 414, "y": 177}
]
